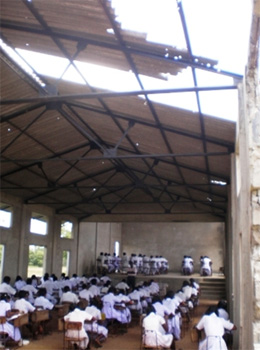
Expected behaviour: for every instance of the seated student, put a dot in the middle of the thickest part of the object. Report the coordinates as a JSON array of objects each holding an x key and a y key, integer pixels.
[
  {"x": 94, "y": 326},
  {"x": 187, "y": 265},
  {"x": 30, "y": 289},
  {"x": 13, "y": 332},
  {"x": 174, "y": 323},
  {"x": 5, "y": 286},
  {"x": 155, "y": 330},
  {"x": 94, "y": 288},
  {"x": 205, "y": 266},
  {"x": 85, "y": 293},
  {"x": 47, "y": 283},
  {"x": 111, "y": 309},
  {"x": 123, "y": 286},
  {"x": 78, "y": 315},
  {"x": 22, "y": 304},
  {"x": 41, "y": 301},
  {"x": 214, "y": 328},
  {"x": 136, "y": 298},
  {"x": 94, "y": 276},
  {"x": 104, "y": 278},
  {"x": 105, "y": 288},
  {"x": 19, "y": 283},
  {"x": 69, "y": 297}
]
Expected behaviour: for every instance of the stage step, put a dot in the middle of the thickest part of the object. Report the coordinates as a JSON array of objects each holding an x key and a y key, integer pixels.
[{"x": 213, "y": 288}]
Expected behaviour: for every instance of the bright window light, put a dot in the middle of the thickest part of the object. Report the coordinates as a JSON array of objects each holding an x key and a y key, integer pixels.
[
  {"x": 5, "y": 216},
  {"x": 66, "y": 229},
  {"x": 38, "y": 224}
]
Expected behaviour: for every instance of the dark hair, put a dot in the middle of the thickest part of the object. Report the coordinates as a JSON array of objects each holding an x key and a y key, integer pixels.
[
  {"x": 169, "y": 294},
  {"x": 222, "y": 304},
  {"x": 22, "y": 294},
  {"x": 7, "y": 279},
  {"x": 211, "y": 310},
  {"x": 42, "y": 292},
  {"x": 150, "y": 309},
  {"x": 4, "y": 296}
]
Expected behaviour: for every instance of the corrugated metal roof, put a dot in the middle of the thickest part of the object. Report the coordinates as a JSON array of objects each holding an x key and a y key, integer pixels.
[{"x": 115, "y": 158}]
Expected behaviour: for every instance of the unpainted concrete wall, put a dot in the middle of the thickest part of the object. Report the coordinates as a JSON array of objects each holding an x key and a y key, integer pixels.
[
  {"x": 173, "y": 240},
  {"x": 17, "y": 238},
  {"x": 93, "y": 239}
]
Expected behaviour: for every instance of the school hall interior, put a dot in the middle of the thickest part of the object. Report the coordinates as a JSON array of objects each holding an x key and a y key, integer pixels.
[{"x": 115, "y": 141}]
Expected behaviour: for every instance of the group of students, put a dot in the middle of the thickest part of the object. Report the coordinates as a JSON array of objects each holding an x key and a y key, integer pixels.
[
  {"x": 188, "y": 265},
  {"x": 97, "y": 302},
  {"x": 136, "y": 263}
]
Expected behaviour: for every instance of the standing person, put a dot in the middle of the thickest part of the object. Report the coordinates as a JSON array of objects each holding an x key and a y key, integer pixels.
[
  {"x": 155, "y": 330},
  {"x": 205, "y": 266},
  {"x": 214, "y": 328},
  {"x": 124, "y": 262}
]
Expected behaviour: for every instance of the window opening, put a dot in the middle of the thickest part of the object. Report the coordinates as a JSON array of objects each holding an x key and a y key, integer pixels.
[
  {"x": 6, "y": 214},
  {"x": 65, "y": 262},
  {"x": 117, "y": 248},
  {"x": 66, "y": 230},
  {"x": 36, "y": 260},
  {"x": 38, "y": 224}
]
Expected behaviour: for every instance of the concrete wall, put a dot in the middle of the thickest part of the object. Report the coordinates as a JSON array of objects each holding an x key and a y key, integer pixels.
[
  {"x": 93, "y": 239},
  {"x": 246, "y": 203},
  {"x": 17, "y": 238},
  {"x": 173, "y": 240}
]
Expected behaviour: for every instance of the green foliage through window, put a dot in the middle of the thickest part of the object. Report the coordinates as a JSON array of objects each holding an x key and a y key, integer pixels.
[{"x": 66, "y": 229}]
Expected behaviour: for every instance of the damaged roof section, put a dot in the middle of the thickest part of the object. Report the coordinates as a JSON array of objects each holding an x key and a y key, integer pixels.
[{"x": 109, "y": 153}]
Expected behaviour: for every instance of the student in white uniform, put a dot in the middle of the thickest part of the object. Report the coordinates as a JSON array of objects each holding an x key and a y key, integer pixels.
[
  {"x": 94, "y": 326},
  {"x": 187, "y": 265},
  {"x": 85, "y": 293},
  {"x": 69, "y": 297},
  {"x": 22, "y": 304},
  {"x": 205, "y": 266},
  {"x": 5, "y": 287},
  {"x": 79, "y": 316},
  {"x": 214, "y": 328},
  {"x": 222, "y": 312},
  {"x": 41, "y": 301},
  {"x": 155, "y": 330},
  {"x": 13, "y": 332},
  {"x": 30, "y": 289},
  {"x": 124, "y": 263},
  {"x": 19, "y": 283}
]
